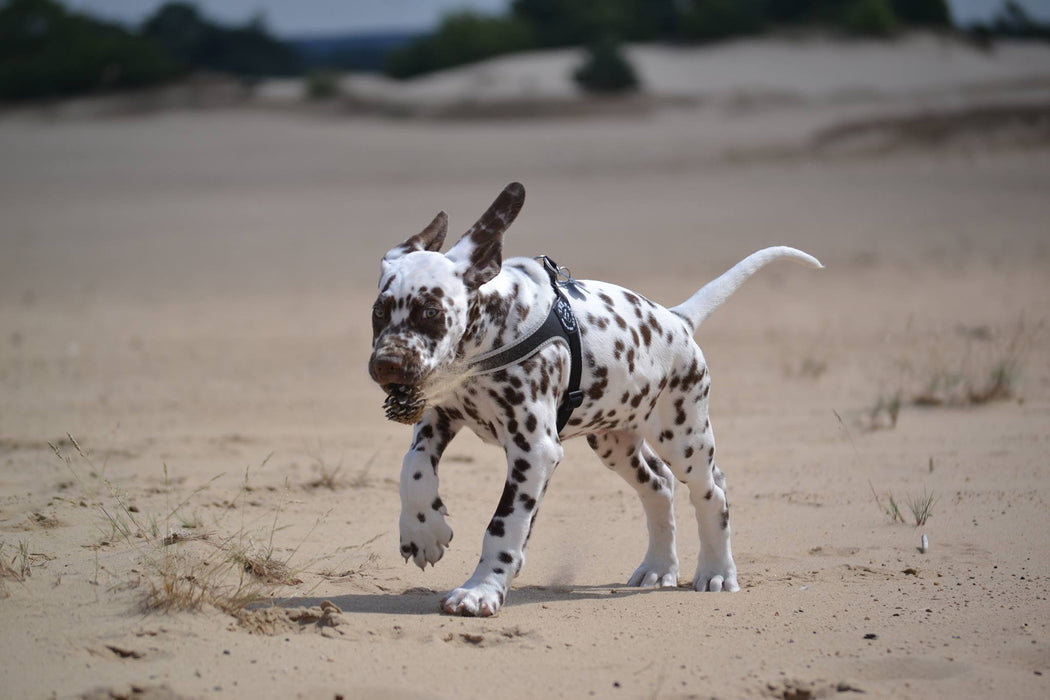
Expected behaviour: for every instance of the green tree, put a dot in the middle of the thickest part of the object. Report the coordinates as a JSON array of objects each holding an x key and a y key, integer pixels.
[
  {"x": 580, "y": 22},
  {"x": 563, "y": 22},
  {"x": 1013, "y": 20},
  {"x": 189, "y": 37},
  {"x": 934, "y": 13},
  {"x": 795, "y": 11},
  {"x": 462, "y": 37},
  {"x": 47, "y": 51},
  {"x": 707, "y": 20},
  {"x": 869, "y": 18},
  {"x": 606, "y": 69}
]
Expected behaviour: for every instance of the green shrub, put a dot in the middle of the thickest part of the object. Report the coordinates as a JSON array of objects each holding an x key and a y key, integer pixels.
[
  {"x": 1014, "y": 20},
  {"x": 322, "y": 85},
  {"x": 565, "y": 22},
  {"x": 709, "y": 20},
  {"x": 462, "y": 37},
  {"x": 869, "y": 18},
  {"x": 606, "y": 69},
  {"x": 934, "y": 13}
]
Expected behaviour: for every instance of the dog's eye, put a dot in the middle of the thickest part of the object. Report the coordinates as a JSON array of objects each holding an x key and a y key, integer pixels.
[
  {"x": 378, "y": 311},
  {"x": 430, "y": 312}
]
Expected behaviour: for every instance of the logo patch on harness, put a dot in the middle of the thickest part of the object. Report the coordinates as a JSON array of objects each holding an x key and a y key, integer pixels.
[{"x": 564, "y": 314}]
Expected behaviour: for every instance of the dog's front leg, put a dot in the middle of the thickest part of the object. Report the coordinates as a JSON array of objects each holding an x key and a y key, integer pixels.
[
  {"x": 530, "y": 464},
  {"x": 424, "y": 532}
]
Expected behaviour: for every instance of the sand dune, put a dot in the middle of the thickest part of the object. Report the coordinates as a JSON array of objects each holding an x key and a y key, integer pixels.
[
  {"x": 809, "y": 68},
  {"x": 186, "y": 414}
]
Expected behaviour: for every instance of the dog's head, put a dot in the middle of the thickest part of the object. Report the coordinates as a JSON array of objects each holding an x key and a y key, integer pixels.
[{"x": 421, "y": 313}]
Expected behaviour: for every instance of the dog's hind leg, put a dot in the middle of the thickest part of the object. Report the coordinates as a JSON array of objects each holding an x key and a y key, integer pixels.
[
  {"x": 685, "y": 440},
  {"x": 629, "y": 456}
]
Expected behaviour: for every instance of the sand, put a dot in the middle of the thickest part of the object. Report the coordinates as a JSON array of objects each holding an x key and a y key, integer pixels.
[{"x": 183, "y": 339}]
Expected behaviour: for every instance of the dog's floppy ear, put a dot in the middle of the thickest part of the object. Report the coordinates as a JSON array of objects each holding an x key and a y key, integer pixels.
[
  {"x": 480, "y": 250},
  {"x": 431, "y": 238}
]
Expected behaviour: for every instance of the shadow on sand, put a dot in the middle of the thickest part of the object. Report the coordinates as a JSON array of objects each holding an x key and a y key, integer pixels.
[{"x": 424, "y": 601}]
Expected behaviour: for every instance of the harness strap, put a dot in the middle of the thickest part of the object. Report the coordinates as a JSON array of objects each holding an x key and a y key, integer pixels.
[
  {"x": 559, "y": 323},
  {"x": 508, "y": 355},
  {"x": 573, "y": 398}
]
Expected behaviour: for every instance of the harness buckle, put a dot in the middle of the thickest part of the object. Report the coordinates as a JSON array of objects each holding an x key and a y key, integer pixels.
[
  {"x": 574, "y": 399},
  {"x": 559, "y": 274}
]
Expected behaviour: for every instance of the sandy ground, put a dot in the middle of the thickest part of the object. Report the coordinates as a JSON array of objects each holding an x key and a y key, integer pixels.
[{"x": 186, "y": 294}]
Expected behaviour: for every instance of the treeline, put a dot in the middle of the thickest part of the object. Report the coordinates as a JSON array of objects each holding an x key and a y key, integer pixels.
[
  {"x": 466, "y": 37},
  {"x": 49, "y": 51},
  {"x": 1012, "y": 21}
]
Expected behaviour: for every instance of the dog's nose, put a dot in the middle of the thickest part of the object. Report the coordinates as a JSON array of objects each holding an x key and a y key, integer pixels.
[{"x": 387, "y": 369}]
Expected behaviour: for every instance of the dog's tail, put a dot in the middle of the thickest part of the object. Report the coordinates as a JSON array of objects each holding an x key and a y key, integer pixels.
[{"x": 698, "y": 307}]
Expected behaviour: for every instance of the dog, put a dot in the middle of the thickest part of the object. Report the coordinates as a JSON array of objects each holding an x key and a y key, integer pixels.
[{"x": 459, "y": 341}]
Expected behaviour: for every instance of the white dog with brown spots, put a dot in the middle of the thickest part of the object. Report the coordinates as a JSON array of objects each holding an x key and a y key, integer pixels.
[{"x": 465, "y": 339}]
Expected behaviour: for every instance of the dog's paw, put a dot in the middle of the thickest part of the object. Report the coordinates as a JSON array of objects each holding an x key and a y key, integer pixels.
[
  {"x": 481, "y": 600},
  {"x": 424, "y": 540},
  {"x": 716, "y": 579},
  {"x": 655, "y": 573}
]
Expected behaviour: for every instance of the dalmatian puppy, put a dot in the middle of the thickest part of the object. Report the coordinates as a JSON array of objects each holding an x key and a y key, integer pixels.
[{"x": 643, "y": 396}]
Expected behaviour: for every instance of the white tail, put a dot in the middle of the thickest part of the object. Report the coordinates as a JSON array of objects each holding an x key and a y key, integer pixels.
[{"x": 698, "y": 307}]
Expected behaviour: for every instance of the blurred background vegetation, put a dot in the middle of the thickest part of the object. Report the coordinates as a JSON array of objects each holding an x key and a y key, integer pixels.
[{"x": 47, "y": 50}]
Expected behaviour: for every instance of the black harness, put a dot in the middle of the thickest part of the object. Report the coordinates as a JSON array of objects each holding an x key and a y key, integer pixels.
[{"x": 560, "y": 323}]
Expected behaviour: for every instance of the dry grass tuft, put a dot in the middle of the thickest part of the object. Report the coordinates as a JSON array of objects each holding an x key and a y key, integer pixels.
[
  {"x": 326, "y": 477},
  {"x": 968, "y": 366},
  {"x": 188, "y": 568},
  {"x": 262, "y": 565},
  {"x": 180, "y": 581},
  {"x": 228, "y": 576},
  {"x": 22, "y": 559},
  {"x": 196, "y": 570},
  {"x": 231, "y": 576},
  {"x": 890, "y": 508},
  {"x": 176, "y": 536},
  {"x": 987, "y": 367},
  {"x": 921, "y": 507},
  {"x": 336, "y": 478},
  {"x": 11, "y": 569},
  {"x": 884, "y": 413},
  {"x": 810, "y": 367},
  {"x": 358, "y": 570},
  {"x": 40, "y": 520}
]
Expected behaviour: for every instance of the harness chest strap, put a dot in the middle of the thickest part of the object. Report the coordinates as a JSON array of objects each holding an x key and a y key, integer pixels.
[{"x": 559, "y": 323}]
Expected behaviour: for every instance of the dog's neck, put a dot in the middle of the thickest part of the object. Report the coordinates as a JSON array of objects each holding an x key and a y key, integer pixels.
[{"x": 506, "y": 307}]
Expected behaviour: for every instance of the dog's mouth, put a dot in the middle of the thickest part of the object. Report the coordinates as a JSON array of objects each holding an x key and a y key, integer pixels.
[{"x": 405, "y": 403}]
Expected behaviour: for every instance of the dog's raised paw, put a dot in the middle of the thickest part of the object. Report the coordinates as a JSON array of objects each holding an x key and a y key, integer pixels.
[
  {"x": 482, "y": 600},
  {"x": 424, "y": 537}
]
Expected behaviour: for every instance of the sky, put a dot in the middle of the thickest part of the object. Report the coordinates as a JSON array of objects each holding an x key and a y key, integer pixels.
[{"x": 302, "y": 17}]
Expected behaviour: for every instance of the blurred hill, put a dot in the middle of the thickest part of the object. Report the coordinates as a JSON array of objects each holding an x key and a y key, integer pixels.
[{"x": 49, "y": 51}]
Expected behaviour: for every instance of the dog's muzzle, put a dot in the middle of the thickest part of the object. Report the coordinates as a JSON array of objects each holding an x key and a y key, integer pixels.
[
  {"x": 401, "y": 381},
  {"x": 386, "y": 367}
]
